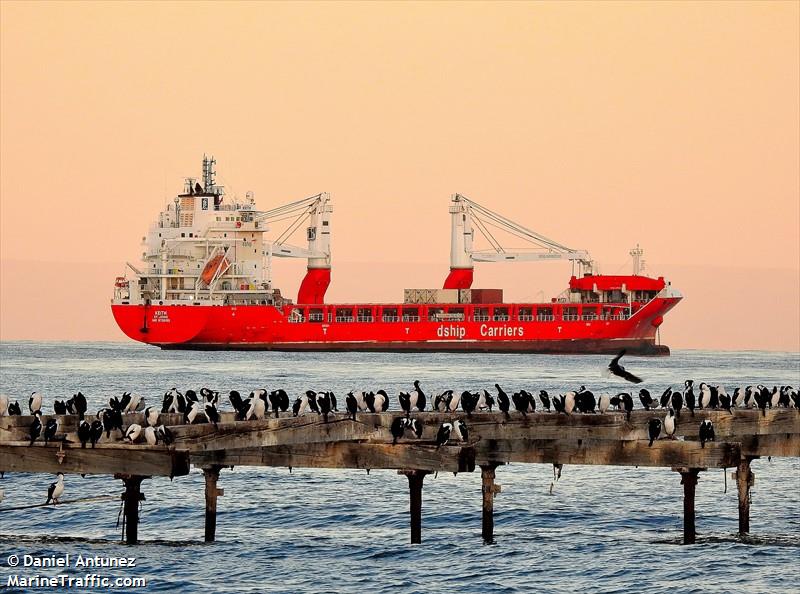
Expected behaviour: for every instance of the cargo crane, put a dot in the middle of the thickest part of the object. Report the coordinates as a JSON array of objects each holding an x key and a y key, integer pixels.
[{"x": 463, "y": 212}]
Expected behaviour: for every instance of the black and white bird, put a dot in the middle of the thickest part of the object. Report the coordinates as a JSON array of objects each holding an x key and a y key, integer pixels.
[
  {"x": 569, "y": 402},
  {"x": 311, "y": 395},
  {"x": 84, "y": 432},
  {"x": 418, "y": 398},
  {"x": 279, "y": 401},
  {"x": 79, "y": 404},
  {"x": 615, "y": 368},
  {"x": 133, "y": 432},
  {"x": 193, "y": 412},
  {"x": 258, "y": 407},
  {"x": 585, "y": 400},
  {"x": 36, "y": 427},
  {"x": 402, "y": 424},
  {"x": 212, "y": 414},
  {"x": 737, "y": 400},
  {"x": 96, "y": 431},
  {"x": 150, "y": 436},
  {"x": 604, "y": 403},
  {"x": 4, "y": 405},
  {"x": 378, "y": 402},
  {"x": 164, "y": 435},
  {"x": 665, "y": 397},
  {"x": 503, "y": 402},
  {"x": 459, "y": 431},
  {"x": 135, "y": 404},
  {"x": 55, "y": 490},
  {"x": 299, "y": 406},
  {"x": 14, "y": 409},
  {"x": 35, "y": 402},
  {"x": 50, "y": 430},
  {"x": 59, "y": 407},
  {"x": 523, "y": 402},
  {"x": 325, "y": 404},
  {"x": 485, "y": 401},
  {"x": 725, "y": 400},
  {"x": 689, "y": 400},
  {"x": 705, "y": 396},
  {"x": 112, "y": 419},
  {"x": 469, "y": 401},
  {"x": 626, "y": 402},
  {"x": 706, "y": 432},
  {"x": 440, "y": 402},
  {"x": 677, "y": 402},
  {"x": 352, "y": 404},
  {"x": 545, "y": 398},
  {"x": 443, "y": 434},
  {"x": 653, "y": 430},
  {"x": 151, "y": 416},
  {"x": 670, "y": 423},
  {"x": 646, "y": 399},
  {"x": 453, "y": 401},
  {"x": 210, "y": 396}
]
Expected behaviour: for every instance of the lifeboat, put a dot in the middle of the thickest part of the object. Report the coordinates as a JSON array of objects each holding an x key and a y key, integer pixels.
[{"x": 217, "y": 263}]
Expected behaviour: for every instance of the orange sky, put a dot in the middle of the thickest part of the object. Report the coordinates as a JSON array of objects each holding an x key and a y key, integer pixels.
[{"x": 674, "y": 125}]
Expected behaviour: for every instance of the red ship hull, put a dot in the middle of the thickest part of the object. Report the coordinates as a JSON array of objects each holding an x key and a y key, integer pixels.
[{"x": 586, "y": 328}]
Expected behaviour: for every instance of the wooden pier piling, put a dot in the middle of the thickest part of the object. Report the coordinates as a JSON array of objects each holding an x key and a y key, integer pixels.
[
  {"x": 211, "y": 475},
  {"x": 744, "y": 481},
  {"x": 689, "y": 482},
  {"x": 415, "y": 478},
  {"x": 489, "y": 490},
  {"x": 131, "y": 498}
]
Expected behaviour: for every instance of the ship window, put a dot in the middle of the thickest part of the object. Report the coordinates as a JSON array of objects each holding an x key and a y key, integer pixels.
[
  {"x": 410, "y": 314},
  {"x": 324, "y": 223},
  {"x": 191, "y": 234},
  {"x": 500, "y": 314},
  {"x": 544, "y": 314},
  {"x": 365, "y": 314},
  {"x": 344, "y": 314},
  {"x": 159, "y": 234},
  {"x": 570, "y": 314},
  {"x": 480, "y": 314},
  {"x": 390, "y": 314},
  {"x": 315, "y": 315},
  {"x": 525, "y": 314},
  {"x": 183, "y": 234}
]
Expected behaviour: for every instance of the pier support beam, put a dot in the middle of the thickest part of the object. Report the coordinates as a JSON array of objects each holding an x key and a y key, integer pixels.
[
  {"x": 212, "y": 492},
  {"x": 415, "y": 478},
  {"x": 744, "y": 481},
  {"x": 131, "y": 498},
  {"x": 689, "y": 482},
  {"x": 489, "y": 490}
]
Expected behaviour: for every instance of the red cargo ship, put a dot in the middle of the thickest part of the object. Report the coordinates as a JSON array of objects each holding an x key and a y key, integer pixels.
[{"x": 206, "y": 284}]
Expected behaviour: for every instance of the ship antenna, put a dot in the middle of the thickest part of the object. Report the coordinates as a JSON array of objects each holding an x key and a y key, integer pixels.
[
  {"x": 208, "y": 174},
  {"x": 638, "y": 263}
]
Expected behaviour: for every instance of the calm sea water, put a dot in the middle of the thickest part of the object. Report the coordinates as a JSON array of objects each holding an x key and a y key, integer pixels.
[{"x": 603, "y": 529}]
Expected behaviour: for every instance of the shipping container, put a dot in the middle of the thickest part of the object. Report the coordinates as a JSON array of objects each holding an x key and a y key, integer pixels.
[{"x": 487, "y": 296}]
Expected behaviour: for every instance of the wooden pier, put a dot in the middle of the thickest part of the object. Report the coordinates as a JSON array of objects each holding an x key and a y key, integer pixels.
[{"x": 366, "y": 443}]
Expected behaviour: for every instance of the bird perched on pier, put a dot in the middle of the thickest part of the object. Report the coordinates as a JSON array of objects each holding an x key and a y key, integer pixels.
[
  {"x": 569, "y": 402},
  {"x": 585, "y": 400},
  {"x": 163, "y": 434},
  {"x": 677, "y": 402},
  {"x": 665, "y": 397},
  {"x": 79, "y": 404},
  {"x": 36, "y": 427},
  {"x": 50, "y": 430},
  {"x": 646, "y": 399},
  {"x": 133, "y": 432},
  {"x": 737, "y": 399},
  {"x": 689, "y": 400},
  {"x": 151, "y": 416},
  {"x": 725, "y": 400},
  {"x": 210, "y": 396},
  {"x": 615, "y": 368},
  {"x": 377, "y": 402},
  {"x": 258, "y": 407},
  {"x": 453, "y": 401},
  {"x": 653, "y": 430},
  {"x": 212, "y": 414},
  {"x": 459, "y": 431},
  {"x": 279, "y": 401},
  {"x": 398, "y": 428},
  {"x": 59, "y": 407},
  {"x": 469, "y": 401},
  {"x": 96, "y": 431},
  {"x": 626, "y": 402},
  {"x": 311, "y": 395},
  {"x": 193, "y": 413},
  {"x": 604, "y": 403},
  {"x": 84, "y": 432},
  {"x": 706, "y": 432},
  {"x": 238, "y": 405},
  {"x": 150, "y": 436},
  {"x": 523, "y": 402},
  {"x": 112, "y": 419},
  {"x": 3, "y": 405},
  {"x": 704, "y": 399},
  {"x": 441, "y": 400},
  {"x": 56, "y": 489},
  {"x": 418, "y": 398},
  {"x": 300, "y": 405},
  {"x": 135, "y": 404},
  {"x": 352, "y": 404},
  {"x": 485, "y": 401},
  {"x": 670, "y": 424},
  {"x": 503, "y": 402},
  {"x": 443, "y": 434},
  {"x": 545, "y": 398},
  {"x": 502, "y": 398},
  {"x": 558, "y": 403},
  {"x": 325, "y": 404},
  {"x": 14, "y": 409},
  {"x": 35, "y": 402}
]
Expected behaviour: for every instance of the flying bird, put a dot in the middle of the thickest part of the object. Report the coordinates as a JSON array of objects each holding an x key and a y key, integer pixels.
[{"x": 618, "y": 370}]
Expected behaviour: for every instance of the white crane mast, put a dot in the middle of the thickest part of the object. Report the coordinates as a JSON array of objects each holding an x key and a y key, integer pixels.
[{"x": 464, "y": 212}]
